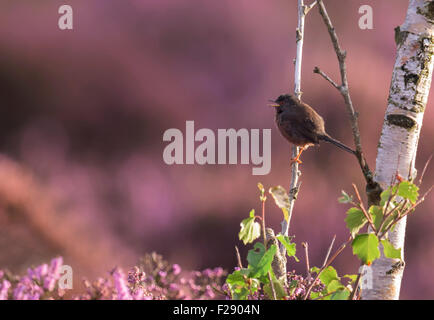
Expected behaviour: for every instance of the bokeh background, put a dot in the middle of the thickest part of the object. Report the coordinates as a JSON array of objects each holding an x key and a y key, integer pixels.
[{"x": 83, "y": 112}]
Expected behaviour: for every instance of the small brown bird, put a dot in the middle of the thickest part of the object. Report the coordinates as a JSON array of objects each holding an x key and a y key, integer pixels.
[{"x": 301, "y": 125}]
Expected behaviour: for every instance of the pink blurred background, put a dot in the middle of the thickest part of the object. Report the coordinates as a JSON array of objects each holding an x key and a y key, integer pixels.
[{"x": 83, "y": 114}]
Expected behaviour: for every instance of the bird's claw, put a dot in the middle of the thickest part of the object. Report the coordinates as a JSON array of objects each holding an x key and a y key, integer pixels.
[{"x": 295, "y": 160}]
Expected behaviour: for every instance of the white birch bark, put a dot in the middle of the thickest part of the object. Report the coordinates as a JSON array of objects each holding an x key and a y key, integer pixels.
[{"x": 408, "y": 95}]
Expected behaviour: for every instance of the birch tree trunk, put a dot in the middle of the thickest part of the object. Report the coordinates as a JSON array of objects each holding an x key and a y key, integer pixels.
[{"x": 411, "y": 81}]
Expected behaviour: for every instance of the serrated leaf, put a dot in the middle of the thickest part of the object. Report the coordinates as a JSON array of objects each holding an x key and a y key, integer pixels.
[
  {"x": 408, "y": 190},
  {"x": 260, "y": 260},
  {"x": 345, "y": 198},
  {"x": 377, "y": 215},
  {"x": 328, "y": 275},
  {"x": 250, "y": 229},
  {"x": 390, "y": 251},
  {"x": 355, "y": 220},
  {"x": 290, "y": 247},
  {"x": 281, "y": 199},
  {"x": 365, "y": 246}
]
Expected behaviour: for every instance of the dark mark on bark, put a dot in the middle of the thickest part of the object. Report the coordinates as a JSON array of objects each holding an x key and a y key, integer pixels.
[{"x": 401, "y": 121}]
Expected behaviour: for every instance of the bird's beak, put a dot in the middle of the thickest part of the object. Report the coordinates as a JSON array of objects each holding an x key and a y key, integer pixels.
[{"x": 274, "y": 105}]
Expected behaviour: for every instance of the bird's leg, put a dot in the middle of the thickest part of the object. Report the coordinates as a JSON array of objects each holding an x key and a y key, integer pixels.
[{"x": 297, "y": 158}]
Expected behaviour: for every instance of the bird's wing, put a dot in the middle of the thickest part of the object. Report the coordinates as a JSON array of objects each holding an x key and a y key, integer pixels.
[{"x": 301, "y": 125}]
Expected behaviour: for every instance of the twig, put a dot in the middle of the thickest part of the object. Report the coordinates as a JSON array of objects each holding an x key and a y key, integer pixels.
[
  {"x": 356, "y": 286},
  {"x": 362, "y": 207},
  {"x": 329, "y": 251},
  {"x": 320, "y": 72},
  {"x": 265, "y": 246},
  {"x": 306, "y": 253},
  {"x": 329, "y": 261},
  {"x": 373, "y": 186},
  {"x": 294, "y": 185},
  {"x": 240, "y": 264},
  {"x": 424, "y": 170},
  {"x": 422, "y": 199}
]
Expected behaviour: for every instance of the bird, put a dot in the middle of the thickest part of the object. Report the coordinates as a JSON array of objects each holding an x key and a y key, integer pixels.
[{"x": 301, "y": 125}]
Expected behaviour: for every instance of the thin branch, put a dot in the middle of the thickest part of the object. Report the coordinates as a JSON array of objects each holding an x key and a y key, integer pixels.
[
  {"x": 240, "y": 264},
  {"x": 294, "y": 185},
  {"x": 306, "y": 253},
  {"x": 320, "y": 72},
  {"x": 424, "y": 170},
  {"x": 422, "y": 199},
  {"x": 344, "y": 90},
  {"x": 329, "y": 251},
  {"x": 362, "y": 207},
  {"x": 329, "y": 261}
]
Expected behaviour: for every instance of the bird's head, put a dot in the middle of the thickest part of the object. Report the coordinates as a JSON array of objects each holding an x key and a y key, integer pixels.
[{"x": 283, "y": 102}]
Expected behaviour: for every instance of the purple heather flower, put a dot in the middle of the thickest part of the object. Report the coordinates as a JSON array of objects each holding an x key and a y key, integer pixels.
[
  {"x": 209, "y": 292},
  {"x": 207, "y": 273},
  {"x": 4, "y": 289},
  {"x": 218, "y": 272},
  {"x": 121, "y": 285},
  {"x": 176, "y": 269},
  {"x": 173, "y": 287}
]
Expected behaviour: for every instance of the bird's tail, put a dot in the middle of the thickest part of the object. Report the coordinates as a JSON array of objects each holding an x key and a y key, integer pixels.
[{"x": 337, "y": 143}]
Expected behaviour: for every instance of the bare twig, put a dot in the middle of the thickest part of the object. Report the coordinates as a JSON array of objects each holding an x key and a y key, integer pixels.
[
  {"x": 320, "y": 72},
  {"x": 421, "y": 199},
  {"x": 329, "y": 261},
  {"x": 356, "y": 286},
  {"x": 372, "y": 186},
  {"x": 240, "y": 264},
  {"x": 329, "y": 251},
  {"x": 362, "y": 207},
  {"x": 294, "y": 185},
  {"x": 424, "y": 170},
  {"x": 306, "y": 253}
]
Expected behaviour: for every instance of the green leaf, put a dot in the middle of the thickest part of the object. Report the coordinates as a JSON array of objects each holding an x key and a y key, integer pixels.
[
  {"x": 409, "y": 191},
  {"x": 385, "y": 195},
  {"x": 278, "y": 288},
  {"x": 328, "y": 275},
  {"x": 335, "y": 285},
  {"x": 250, "y": 230},
  {"x": 281, "y": 199},
  {"x": 390, "y": 251},
  {"x": 377, "y": 215},
  {"x": 260, "y": 260},
  {"x": 352, "y": 277},
  {"x": 237, "y": 284},
  {"x": 314, "y": 295},
  {"x": 290, "y": 247},
  {"x": 355, "y": 220},
  {"x": 236, "y": 278},
  {"x": 365, "y": 246},
  {"x": 314, "y": 270},
  {"x": 345, "y": 198},
  {"x": 341, "y": 295}
]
